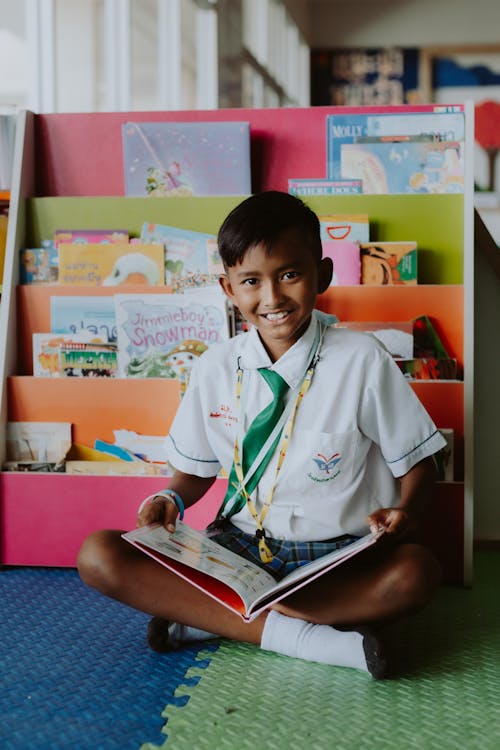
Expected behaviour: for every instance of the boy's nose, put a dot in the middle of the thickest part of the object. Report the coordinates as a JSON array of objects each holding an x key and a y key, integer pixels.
[{"x": 271, "y": 294}]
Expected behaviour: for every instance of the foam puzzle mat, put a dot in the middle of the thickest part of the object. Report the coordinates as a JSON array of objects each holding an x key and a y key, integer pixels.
[{"x": 77, "y": 674}]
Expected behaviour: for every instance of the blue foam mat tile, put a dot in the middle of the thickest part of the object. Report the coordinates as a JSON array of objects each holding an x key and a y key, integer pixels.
[{"x": 76, "y": 669}]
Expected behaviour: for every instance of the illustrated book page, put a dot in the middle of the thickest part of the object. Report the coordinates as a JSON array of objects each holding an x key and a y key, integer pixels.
[{"x": 230, "y": 579}]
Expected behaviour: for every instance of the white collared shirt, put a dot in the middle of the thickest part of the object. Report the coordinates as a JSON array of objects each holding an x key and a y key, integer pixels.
[{"x": 358, "y": 428}]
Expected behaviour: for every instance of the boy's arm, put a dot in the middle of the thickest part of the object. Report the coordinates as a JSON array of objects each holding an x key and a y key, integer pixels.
[
  {"x": 416, "y": 488},
  {"x": 164, "y": 510}
]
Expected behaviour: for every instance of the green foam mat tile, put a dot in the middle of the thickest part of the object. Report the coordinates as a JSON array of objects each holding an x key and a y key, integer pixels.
[{"x": 446, "y": 695}]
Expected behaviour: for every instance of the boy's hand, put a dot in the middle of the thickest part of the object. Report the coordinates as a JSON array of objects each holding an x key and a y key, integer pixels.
[
  {"x": 394, "y": 521},
  {"x": 161, "y": 510}
]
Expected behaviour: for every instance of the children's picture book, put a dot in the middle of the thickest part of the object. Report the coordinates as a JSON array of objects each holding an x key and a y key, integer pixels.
[
  {"x": 304, "y": 187},
  {"x": 389, "y": 263},
  {"x": 346, "y": 257},
  {"x": 113, "y": 264},
  {"x": 47, "y": 349},
  {"x": 39, "y": 265},
  {"x": 77, "y": 314},
  {"x": 424, "y": 124},
  {"x": 397, "y": 337},
  {"x": 161, "y": 335},
  {"x": 351, "y": 227},
  {"x": 88, "y": 360},
  {"x": 186, "y": 158},
  {"x": 83, "y": 236},
  {"x": 233, "y": 581},
  {"x": 404, "y": 166},
  {"x": 191, "y": 258}
]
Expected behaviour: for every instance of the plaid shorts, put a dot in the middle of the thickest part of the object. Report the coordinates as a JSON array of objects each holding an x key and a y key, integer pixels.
[{"x": 287, "y": 555}]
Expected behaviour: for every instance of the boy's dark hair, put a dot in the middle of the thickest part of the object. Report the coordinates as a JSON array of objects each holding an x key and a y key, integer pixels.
[{"x": 262, "y": 218}]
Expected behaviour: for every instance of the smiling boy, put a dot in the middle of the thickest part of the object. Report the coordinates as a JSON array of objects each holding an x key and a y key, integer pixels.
[{"x": 352, "y": 449}]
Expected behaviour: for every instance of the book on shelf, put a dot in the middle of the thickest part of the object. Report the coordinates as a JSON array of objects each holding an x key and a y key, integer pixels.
[
  {"x": 186, "y": 158},
  {"x": 75, "y": 314},
  {"x": 112, "y": 264},
  {"x": 426, "y": 123},
  {"x": 238, "y": 584},
  {"x": 191, "y": 258},
  {"x": 397, "y": 337},
  {"x": 388, "y": 263},
  {"x": 408, "y": 167},
  {"x": 346, "y": 260},
  {"x": 371, "y": 146},
  {"x": 426, "y": 341},
  {"x": 161, "y": 335},
  {"x": 39, "y": 265},
  {"x": 60, "y": 355},
  {"x": 308, "y": 187},
  {"x": 429, "y": 368},
  {"x": 36, "y": 446},
  {"x": 84, "y": 236},
  {"x": 350, "y": 227}
]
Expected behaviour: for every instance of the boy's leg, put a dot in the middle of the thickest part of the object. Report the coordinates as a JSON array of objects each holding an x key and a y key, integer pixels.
[
  {"x": 378, "y": 585},
  {"x": 117, "y": 569}
]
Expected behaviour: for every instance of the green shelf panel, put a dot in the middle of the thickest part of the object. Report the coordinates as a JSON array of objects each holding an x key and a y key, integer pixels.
[{"x": 434, "y": 221}]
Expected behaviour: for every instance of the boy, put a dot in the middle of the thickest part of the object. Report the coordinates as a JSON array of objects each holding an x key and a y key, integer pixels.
[{"x": 356, "y": 450}]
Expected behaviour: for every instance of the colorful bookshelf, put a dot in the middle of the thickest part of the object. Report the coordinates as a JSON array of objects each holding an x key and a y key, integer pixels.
[{"x": 68, "y": 171}]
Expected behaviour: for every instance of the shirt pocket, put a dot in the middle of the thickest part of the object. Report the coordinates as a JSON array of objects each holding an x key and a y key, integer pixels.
[{"x": 323, "y": 462}]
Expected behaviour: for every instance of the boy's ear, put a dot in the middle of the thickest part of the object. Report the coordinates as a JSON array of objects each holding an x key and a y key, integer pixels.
[
  {"x": 325, "y": 273},
  {"x": 226, "y": 286}
]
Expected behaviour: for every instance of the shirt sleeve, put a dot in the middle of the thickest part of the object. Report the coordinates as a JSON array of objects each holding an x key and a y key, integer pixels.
[
  {"x": 187, "y": 446},
  {"x": 393, "y": 417}
]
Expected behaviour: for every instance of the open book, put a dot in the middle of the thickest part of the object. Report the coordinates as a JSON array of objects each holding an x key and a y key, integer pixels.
[{"x": 230, "y": 579}]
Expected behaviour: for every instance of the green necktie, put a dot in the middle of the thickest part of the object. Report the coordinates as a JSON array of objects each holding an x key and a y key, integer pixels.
[{"x": 257, "y": 434}]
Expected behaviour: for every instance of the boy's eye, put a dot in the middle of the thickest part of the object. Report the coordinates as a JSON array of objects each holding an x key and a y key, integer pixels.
[
  {"x": 290, "y": 275},
  {"x": 249, "y": 282}
]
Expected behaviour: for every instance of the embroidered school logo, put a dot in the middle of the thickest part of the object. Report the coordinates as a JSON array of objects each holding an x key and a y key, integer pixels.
[{"x": 325, "y": 471}]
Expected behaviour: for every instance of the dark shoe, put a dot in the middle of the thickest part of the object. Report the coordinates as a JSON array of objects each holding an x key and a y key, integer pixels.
[
  {"x": 376, "y": 659},
  {"x": 157, "y": 636}
]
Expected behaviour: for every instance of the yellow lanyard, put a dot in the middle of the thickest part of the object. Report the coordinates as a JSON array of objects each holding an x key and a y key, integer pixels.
[{"x": 264, "y": 551}]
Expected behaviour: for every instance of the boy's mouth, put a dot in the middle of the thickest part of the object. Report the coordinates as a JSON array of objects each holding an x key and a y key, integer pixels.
[{"x": 276, "y": 315}]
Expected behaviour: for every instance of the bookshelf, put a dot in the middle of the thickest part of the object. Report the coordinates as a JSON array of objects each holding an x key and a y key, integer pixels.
[{"x": 68, "y": 171}]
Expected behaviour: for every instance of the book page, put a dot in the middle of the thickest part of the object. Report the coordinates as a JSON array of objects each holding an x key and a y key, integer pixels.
[{"x": 195, "y": 550}]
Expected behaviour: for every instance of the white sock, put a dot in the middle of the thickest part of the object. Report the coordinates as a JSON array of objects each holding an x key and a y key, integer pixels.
[
  {"x": 179, "y": 634},
  {"x": 321, "y": 643}
]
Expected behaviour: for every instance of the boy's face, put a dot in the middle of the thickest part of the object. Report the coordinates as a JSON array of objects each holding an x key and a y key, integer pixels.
[{"x": 276, "y": 292}]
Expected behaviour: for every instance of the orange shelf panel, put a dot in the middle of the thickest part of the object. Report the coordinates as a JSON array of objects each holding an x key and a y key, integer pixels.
[
  {"x": 33, "y": 311},
  {"x": 95, "y": 406},
  {"x": 444, "y": 304}
]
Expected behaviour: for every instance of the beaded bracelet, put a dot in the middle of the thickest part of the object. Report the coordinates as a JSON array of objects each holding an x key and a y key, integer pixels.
[{"x": 168, "y": 495}]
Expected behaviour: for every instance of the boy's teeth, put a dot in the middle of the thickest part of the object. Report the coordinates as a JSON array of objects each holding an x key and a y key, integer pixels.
[{"x": 275, "y": 316}]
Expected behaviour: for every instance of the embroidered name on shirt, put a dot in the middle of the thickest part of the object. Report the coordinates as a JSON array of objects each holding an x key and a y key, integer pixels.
[
  {"x": 325, "y": 466},
  {"x": 224, "y": 412}
]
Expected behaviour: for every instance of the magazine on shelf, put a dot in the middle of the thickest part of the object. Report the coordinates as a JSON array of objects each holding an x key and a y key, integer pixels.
[
  {"x": 242, "y": 586},
  {"x": 161, "y": 335},
  {"x": 186, "y": 158},
  {"x": 371, "y": 146}
]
